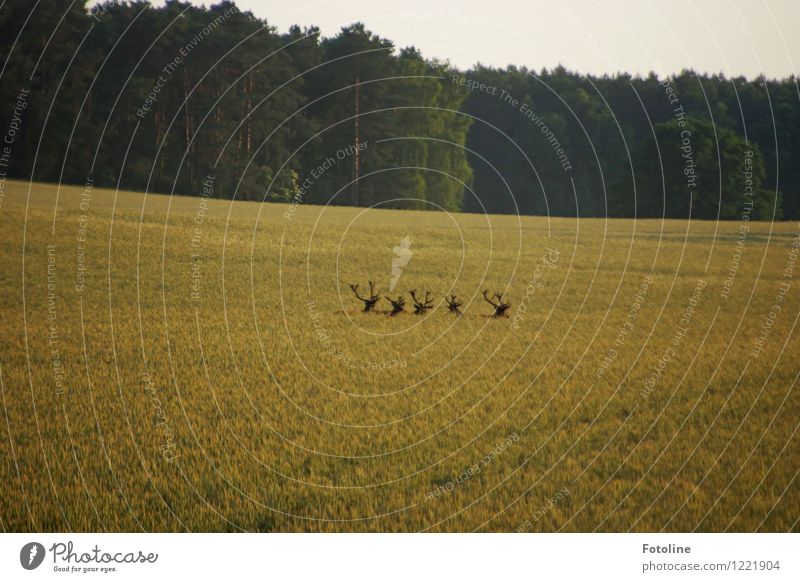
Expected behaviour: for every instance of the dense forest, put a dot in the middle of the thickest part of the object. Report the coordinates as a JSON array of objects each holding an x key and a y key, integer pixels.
[{"x": 174, "y": 98}]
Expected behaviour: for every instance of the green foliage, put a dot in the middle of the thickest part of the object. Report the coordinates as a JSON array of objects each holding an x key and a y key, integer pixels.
[
  {"x": 284, "y": 187},
  {"x": 606, "y": 126},
  {"x": 704, "y": 171},
  {"x": 180, "y": 92}
]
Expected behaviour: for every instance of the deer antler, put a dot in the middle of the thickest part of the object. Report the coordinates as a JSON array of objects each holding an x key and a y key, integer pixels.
[
  {"x": 371, "y": 300},
  {"x": 500, "y": 306},
  {"x": 421, "y": 305},
  {"x": 453, "y": 304},
  {"x": 397, "y": 305}
]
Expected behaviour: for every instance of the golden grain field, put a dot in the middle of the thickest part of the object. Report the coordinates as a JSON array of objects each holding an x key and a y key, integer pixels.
[{"x": 173, "y": 364}]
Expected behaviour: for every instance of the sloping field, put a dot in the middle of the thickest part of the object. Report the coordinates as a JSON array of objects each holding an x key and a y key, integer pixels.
[{"x": 195, "y": 364}]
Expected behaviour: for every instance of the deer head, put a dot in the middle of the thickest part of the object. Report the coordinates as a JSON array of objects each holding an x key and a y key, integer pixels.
[
  {"x": 421, "y": 305},
  {"x": 370, "y": 300},
  {"x": 397, "y": 305},
  {"x": 453, "y": 304},
  {"x": 499, "y": 305}
]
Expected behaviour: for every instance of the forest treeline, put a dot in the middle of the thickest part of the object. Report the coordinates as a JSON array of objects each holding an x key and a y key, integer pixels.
[{"x": 177, "y": 98}]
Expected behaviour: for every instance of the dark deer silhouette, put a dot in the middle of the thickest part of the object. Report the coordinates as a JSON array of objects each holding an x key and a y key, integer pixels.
[
  {"x": 370, "y": 300},
  {"x": 499, "y": 305},
  {"x": 453, "y": 304},
  {"x": 421, "y": 306},
  {"x": 397, "y": 305}
]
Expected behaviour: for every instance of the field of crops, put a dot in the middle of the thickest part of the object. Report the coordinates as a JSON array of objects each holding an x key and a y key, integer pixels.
[{"x": 179, "y": 364}]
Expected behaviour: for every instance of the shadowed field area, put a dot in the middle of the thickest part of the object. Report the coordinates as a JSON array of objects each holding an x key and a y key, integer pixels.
[{"x": 196, "y": 364}]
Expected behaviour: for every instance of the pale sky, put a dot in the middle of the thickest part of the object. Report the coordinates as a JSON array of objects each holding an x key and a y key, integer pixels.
[{"x": 736, "y": 37}]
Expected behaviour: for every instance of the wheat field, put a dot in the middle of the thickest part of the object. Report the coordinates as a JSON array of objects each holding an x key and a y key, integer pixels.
[{"x": 193, "y": 364}]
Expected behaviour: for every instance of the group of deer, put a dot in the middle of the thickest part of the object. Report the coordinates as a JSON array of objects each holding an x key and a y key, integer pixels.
[{"x": 421, "y": 305}]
